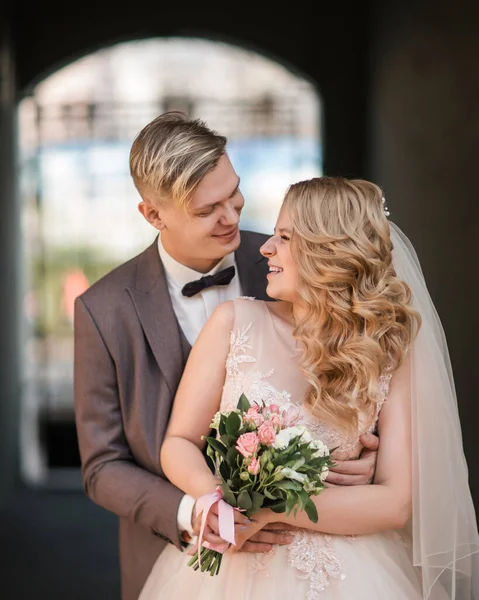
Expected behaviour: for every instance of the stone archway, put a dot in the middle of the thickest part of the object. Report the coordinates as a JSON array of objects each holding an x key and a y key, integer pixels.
[{"x": 76, "y": 129}]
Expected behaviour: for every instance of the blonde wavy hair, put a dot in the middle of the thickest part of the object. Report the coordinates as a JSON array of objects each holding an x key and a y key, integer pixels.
[
  {"x": 171, "y": 155},
  {"x": 358, "y": 322}
]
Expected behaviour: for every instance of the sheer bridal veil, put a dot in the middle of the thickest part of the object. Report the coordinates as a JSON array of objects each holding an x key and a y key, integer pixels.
[{"x": 443, "y": 524}]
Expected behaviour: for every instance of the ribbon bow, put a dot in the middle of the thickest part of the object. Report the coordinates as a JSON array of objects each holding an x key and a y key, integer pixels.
[{"x": 226, "y": 521}]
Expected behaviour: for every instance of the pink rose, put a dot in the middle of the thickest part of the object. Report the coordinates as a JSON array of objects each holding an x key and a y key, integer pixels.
[
  {"x": 291, "y": 416},
  {"x": 274, "y": 408},
  {"x": 267, "y": 433},
  {"x": 254, "y": 416},
  {"x": 276, "y": 420},
  {"x": 253, "y": 466},
  {"x": 247, "y": 444}
]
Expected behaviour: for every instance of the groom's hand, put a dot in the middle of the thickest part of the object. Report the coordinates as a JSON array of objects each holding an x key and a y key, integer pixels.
[
  {"x": 271, "y": 534},
  {"x": 356, "y": 472}
]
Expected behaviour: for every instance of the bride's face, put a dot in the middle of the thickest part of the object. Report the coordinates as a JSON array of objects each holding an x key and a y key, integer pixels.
[{"x": 283, "y": 273}]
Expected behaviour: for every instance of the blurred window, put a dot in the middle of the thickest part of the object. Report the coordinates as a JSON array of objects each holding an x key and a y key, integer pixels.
[{"x": 79, "y": 204}]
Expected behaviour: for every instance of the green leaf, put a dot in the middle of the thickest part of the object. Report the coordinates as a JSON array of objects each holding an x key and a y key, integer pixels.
[
  {"x": 286, "y": 484},
  {"x": 233, "y": 423},
  {"x": 291, "y": 501},
  {"x": 231, "y": 456},
  {"x": 258, "y": 500},
  {"x": 269, "y": 495},
  {"x": 228, "y": 495},
  {"x": 225, "y": 470},
  {"x": 228, "y": 440},
  {"x": 278, "y": 507},
  {"x": 236, "y": 484},
  {"x": 303, "y": 499},
  {"x": 280, "y": 494},
  {"x": 306, "y": 453},
  {"x": 244, "y": 500},
  {"x": 222, "y": 425},
  {"x": 292, "y": 460},
  {"x": 243, "y": 403},
  {"x": 318, "y": 463},
  {"x": 311, "y": 511},
  {"x": 217, "y": 445}
]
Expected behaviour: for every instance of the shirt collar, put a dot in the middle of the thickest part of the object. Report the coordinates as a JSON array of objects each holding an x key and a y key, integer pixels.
[{"x": 180, "y": 274}]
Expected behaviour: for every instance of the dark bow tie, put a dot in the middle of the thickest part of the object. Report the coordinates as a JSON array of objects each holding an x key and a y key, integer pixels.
[{"x": 221, "y": 278}]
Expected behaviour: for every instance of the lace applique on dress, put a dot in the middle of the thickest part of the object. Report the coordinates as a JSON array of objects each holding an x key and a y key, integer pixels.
[
  {"x": 238, "y": 347},
  {"x": 254, "y": 384},
  {"x": 315, "y": 558},
  {"x": 332, "y": 437},
  {"x": 384, "y": 383}
]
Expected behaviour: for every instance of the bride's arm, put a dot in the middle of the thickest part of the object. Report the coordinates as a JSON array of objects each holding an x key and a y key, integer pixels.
[
  {"x": 196, "y": 401},
  {"x": 387, "y": 503}
]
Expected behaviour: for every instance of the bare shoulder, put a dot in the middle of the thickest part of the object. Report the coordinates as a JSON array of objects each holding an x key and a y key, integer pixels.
[
  {"x": 223, "y": 316},
  {"x": 217, "y": 328},
  {"x": 239, "y": 309}
]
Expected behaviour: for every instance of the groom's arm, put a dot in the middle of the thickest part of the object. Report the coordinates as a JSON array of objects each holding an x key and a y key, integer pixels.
[{"x": 111, "y": 476}]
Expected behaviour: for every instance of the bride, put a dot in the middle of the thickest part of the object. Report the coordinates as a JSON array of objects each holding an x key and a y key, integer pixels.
[{"x": 355, "y": 344}]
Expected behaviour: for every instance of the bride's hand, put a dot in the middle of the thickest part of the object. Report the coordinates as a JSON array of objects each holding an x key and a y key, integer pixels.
[
  {"x": 250, "y": 527},
  {"x": 249, "y": 534},
  {"x": 211, "y": 530}
]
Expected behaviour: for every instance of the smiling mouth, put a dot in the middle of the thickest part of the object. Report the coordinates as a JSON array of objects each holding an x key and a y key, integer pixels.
[
  {"x": 227, "y": 235},
  {"x": 273, "y": 270}
]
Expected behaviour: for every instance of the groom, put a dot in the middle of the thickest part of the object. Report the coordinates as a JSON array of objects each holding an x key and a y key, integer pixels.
[{"x": 134, "y": 329}]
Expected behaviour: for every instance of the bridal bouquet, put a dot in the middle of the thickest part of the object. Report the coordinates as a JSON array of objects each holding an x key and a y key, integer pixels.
[{"x": 264, "y": 459}]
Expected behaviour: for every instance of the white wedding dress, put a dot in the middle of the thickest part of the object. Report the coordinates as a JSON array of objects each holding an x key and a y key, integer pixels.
[{"x": 262, "y": 363}]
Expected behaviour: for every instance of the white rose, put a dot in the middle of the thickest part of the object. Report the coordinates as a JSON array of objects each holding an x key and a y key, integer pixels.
[
  {"x": 324, "y": 473},
  {"x": 292, "y": 474},
  {"x": 306, "y": 437},
  {"x": 284, "y": 437},
  {"x": 321, "y": 449},
  {"x": 297, "y": 430},
  {"x": 281, "y": 440}
]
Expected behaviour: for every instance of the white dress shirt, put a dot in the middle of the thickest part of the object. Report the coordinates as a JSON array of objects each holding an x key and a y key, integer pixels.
[{"x": 192, "y": 314}]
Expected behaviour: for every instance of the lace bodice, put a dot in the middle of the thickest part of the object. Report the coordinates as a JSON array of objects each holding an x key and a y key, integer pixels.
[{"x": 262, "y": 364}]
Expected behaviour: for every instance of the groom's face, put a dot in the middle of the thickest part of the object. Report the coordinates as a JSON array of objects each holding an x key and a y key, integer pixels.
[{"x": 201, "y": 235}]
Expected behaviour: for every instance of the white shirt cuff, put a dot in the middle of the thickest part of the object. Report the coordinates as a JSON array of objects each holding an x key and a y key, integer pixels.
[{"x": 185, "y": 514}]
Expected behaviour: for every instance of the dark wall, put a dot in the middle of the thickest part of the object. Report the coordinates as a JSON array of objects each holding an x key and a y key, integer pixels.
[
  {"x": 9, "y": 272},
  {"x": 399, "y": 83},
  {"x": 327, "y": 42},
  {"x": 425, "y": 151}
]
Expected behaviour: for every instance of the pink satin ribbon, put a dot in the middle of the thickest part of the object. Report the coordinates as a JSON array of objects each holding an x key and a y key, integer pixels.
[{"x": 226, "y": 521}]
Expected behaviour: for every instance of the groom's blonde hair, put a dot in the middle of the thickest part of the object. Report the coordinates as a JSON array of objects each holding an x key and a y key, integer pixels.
[{"x": 171, "y": 155}]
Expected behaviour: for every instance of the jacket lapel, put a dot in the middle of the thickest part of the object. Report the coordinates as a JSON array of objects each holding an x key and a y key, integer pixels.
[
  {"x": 153, "y": 304},
  {"x": 155, "y": 311}
]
